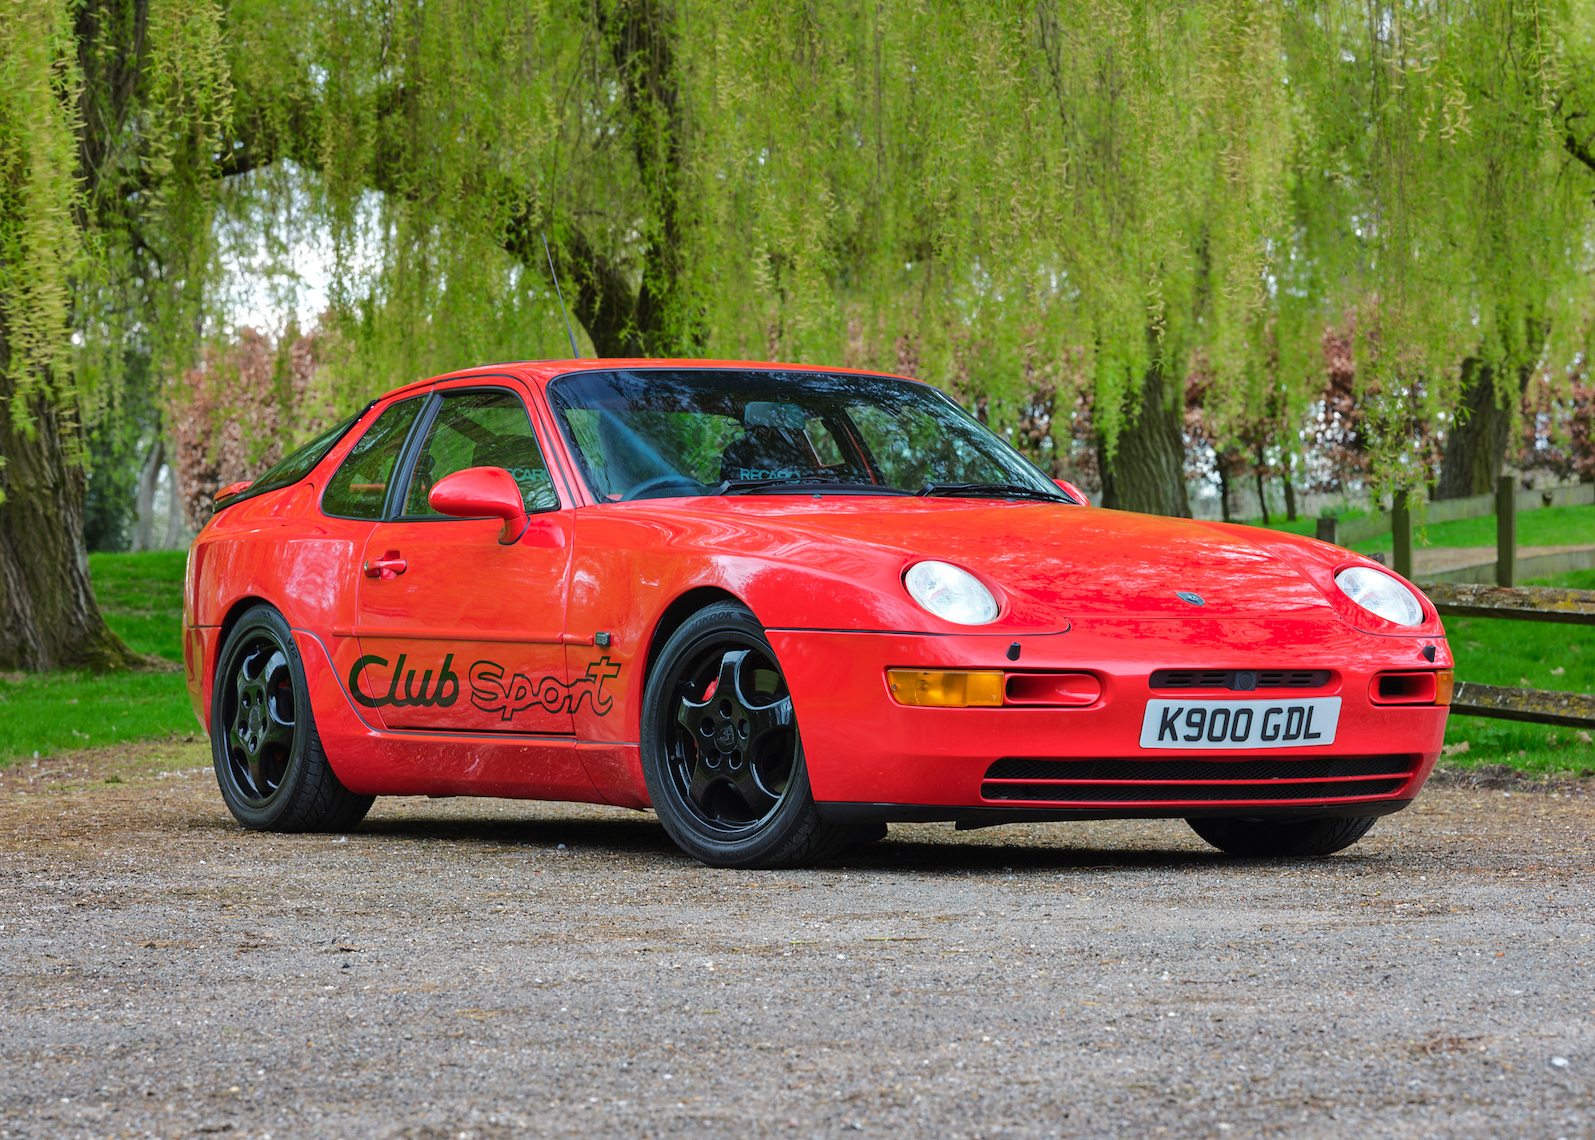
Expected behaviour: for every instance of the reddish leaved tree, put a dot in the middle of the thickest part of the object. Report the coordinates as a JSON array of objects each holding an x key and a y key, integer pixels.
[{"x": 242, "y": 408}]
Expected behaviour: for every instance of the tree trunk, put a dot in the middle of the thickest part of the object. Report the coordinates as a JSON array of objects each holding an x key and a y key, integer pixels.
[
  {"x": 48, "y": 616},
  {"x": 1476, "y": 444},
  {"x": 1262, "y": 497},
  {"x": 652, "y": 318},
  {"x": 144, "y": 504},
  {"x": 174, "y": 512},
  {"x": 1147, "y": 471},
  {"x": 1290, "y": 494}
]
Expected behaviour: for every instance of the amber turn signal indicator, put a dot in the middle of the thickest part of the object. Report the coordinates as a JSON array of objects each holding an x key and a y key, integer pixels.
[
  {"x": 1423, "y": 687},
  {"x": 954, "y": 689}
]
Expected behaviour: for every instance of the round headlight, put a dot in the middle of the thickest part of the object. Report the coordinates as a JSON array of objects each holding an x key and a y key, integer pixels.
[
  {"x": 950, "y": 593},
  {"x": 1380, "y": 594}
]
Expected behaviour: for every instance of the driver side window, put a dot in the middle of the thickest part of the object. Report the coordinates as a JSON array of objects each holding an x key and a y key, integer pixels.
[{"x": 480, "y": 429}]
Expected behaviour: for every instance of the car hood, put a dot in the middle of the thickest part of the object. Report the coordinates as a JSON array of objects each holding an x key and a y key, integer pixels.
[{"x": 1047, "y": 563}]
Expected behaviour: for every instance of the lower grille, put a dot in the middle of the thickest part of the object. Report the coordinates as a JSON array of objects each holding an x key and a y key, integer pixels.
[
  {"x": 1239, "y": 679},
  {"x": 1128, "y": 781}
]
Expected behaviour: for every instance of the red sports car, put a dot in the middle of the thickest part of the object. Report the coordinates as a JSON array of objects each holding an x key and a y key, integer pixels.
[{"x": 781, "y": 606}]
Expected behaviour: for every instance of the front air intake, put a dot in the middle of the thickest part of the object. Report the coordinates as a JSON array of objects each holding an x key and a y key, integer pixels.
[
  {"x": 1258, "y": 779},
  {"x": 1240, "y": 680}
]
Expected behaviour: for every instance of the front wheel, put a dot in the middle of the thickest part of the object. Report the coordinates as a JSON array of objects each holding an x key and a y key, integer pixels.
[
  {"x": 721, "y": 751},
  {"x": 1290, "y": 838},
  {"x": 263, "y": 740}
]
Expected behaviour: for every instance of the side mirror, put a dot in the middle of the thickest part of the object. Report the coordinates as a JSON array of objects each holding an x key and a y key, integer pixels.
[
  {"x": 483, "y": 492},
  {"x": 1073, "y": 492},
  {"x": 232, "y": 489}
]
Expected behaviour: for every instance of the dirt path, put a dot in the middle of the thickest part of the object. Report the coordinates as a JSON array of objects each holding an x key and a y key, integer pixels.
[{"x": 470, "y": 968}]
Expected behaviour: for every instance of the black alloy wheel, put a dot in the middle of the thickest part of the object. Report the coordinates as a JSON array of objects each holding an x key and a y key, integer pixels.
[
  {"x": 269, "y": 762},
  {"x": 721, "y": 750},
  {"x": 1282, "y": 838}
]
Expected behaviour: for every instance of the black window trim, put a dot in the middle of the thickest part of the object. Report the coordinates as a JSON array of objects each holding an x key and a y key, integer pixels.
[{"x": 411, "y": 454}]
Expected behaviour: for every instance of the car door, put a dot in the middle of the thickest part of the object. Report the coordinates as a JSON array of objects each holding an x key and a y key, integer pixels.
[{"x": 459, "y": 632}]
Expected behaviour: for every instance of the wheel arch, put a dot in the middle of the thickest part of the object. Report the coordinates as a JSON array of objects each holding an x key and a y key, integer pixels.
[
  {"x": 234, "y": 613},
  {"x": 675, "y": 615}
]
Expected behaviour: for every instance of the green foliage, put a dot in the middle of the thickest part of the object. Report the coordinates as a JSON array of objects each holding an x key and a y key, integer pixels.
[
  {"x": 40, "y": 242},
  {"x": 116, "y": 442},
  {"x": 1009, "y": 199}
]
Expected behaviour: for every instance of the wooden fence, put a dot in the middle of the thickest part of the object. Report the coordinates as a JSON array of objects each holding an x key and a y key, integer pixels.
[
  {"x": 1522, "y": 603},
  {"x": 1350, "y": 532}
]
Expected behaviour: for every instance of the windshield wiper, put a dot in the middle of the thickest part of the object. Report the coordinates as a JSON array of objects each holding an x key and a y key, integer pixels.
[
  {"x": 991, "y": 491},
  {"x": 801, "y": 483}
]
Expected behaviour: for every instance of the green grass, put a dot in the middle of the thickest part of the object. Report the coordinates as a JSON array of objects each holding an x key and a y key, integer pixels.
[
  {"x": 141, "y": 596},
  {"x": 1551, "y": 526},
  {"x": 50, "y": 712},
  {"x": 1495, "y": 651},
  {"x": 1572, "y": 580}
]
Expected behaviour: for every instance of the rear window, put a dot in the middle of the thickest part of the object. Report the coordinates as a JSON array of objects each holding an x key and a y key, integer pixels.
[{"x": 295, "y": 467}]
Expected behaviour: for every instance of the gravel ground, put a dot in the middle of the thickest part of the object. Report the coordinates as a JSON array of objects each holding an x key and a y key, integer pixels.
[{"x": 475, "y": 968}]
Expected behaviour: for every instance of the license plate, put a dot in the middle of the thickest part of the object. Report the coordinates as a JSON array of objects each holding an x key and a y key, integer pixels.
[{"x": 1301, "y": 723}]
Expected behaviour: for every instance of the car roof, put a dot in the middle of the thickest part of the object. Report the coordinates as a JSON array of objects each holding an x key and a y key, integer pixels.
[{"x": 540, "y": 372}]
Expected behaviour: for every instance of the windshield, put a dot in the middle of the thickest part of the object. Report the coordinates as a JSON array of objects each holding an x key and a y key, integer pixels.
[{"x": 656, "y": 433}]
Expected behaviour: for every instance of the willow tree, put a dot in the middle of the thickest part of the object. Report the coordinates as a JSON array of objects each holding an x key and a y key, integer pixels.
[
  {"x": 445, "y": 143},
  {"x": 983, "y": 195},
  {"x": 110, "y": 113},
  {"x": 1137, "y": 188},
  {"x": 48, "y": 615},
  {"x": 1007, "y": 188},
  {"x": 1445, "y": 213}
]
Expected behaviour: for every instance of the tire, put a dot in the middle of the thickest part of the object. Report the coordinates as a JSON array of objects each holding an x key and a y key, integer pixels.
[
  {"x": 721, "y": 751},
  {"x": 1293, "y": 838},
  {"x": 263, "y": 740}
]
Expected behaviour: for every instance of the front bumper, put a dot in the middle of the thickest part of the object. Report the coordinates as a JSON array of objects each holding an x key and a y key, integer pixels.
[{"x": 871, "y": 758}]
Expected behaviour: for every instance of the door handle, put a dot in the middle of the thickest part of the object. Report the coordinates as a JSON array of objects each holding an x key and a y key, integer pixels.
[{"x": 388, "y": 567}]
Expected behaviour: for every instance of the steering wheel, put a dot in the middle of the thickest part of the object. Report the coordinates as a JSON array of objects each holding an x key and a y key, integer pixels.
[{"x": 685, "y": 482}]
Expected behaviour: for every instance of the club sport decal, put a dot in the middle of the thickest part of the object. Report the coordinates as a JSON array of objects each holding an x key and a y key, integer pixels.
[
  {"x": 490, "y": 691},
  {"x": 411, "y": 695}
]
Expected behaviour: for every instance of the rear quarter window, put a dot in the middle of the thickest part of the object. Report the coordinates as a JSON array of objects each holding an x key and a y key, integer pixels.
[{"x": 359, "y": 488}]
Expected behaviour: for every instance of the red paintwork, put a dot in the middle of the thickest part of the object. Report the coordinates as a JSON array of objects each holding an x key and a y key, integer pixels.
[
  {"x": 479, "y": 492},
  {"x": 551, "y": 714}
]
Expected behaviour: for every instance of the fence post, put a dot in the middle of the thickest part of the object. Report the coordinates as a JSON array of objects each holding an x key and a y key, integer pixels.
[
  {"x": 1326, "y": 530},
  {"x": 1401, "y": 534},
  {"x": 1505, "y": 531}
]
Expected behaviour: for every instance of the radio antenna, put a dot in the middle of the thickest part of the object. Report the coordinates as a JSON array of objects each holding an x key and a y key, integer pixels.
[{"x": 575, "y": 353}]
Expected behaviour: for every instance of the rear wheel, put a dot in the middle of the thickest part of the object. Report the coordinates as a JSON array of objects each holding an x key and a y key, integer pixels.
[
  {"x": 1274, "y": 838},
  {"x": 721, "y": 750},
  {"x": 263, "y": 740}
]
